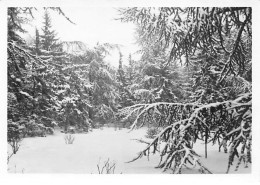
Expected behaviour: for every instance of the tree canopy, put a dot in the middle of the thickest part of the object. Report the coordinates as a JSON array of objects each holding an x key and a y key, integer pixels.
[
  {"x": 193, "y": 81},
  {"x": 215, "y": 45}
]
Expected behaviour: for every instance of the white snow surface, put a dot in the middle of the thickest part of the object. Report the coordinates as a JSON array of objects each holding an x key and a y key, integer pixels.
[{"x": 51, "y": 155}]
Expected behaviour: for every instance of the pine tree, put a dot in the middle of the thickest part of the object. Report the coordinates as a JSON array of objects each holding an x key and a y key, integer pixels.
[
  {"x": 157, "y": 82},
  {"x": 98, "y": 82},
  {"x": 37, "y": 42},
  {"x": 49, "y": 41},
  {"x": 125, "y": 79},
  {"x": 34, "y": 78},
  {"x": 23, "y": 71},
  {"x": 221, "y": 62},
  {"x": 130, "y": 69},
  {"x": 121, "y": 72}
]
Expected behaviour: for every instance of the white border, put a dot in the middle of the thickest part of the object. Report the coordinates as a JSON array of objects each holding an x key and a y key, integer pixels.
[{"x": 253, "y": 178}]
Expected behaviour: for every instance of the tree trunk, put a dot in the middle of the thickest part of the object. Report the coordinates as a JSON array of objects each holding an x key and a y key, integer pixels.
[{"x": 206, "y": 143}]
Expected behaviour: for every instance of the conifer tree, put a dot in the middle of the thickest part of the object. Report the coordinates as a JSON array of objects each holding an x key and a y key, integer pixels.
[
  {"x": 49, "y": 41},
  {"x": 35, "y": 78},
  {"x": 121, "y": 73},
  {"x": 99, "y": 82},
  {"x": 65, "y": 81},
  {"x": 24, "y": 70},
  {"x": 215, "y": 40},
  {"x": 130, "y": 69},
  {"x": 125, "y": 79},
  {"x": 37, "y": 42}
]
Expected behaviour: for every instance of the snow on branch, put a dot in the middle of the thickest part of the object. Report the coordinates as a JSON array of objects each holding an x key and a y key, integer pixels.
[
  {"x": 161, "y": 112},
  {"x": 236, "y": 53},
  {"x": 185, "y": 123},
  {"x": 71, "y": 67},
  {"x": 14, "y": 48}
]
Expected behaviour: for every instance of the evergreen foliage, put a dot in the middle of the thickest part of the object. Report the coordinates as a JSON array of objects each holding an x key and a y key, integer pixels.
[
  {"x": 193, "y": 82},
  {"x": 216, "y": 46},
  {"x": 48, "y": 38},
  {"x": 35, "y": 78}
]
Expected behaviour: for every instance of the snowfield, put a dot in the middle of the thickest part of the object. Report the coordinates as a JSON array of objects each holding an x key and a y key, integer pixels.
[{"x": 51, "y": 155}]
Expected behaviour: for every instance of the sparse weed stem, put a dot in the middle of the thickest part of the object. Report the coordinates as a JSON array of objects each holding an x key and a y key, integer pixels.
[
  {"x": 107, "y": 168},
  {"x": 69, "y": 138}
]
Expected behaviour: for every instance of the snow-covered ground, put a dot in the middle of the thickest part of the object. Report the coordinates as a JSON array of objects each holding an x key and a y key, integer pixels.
[{"x": 51, "y": 155}]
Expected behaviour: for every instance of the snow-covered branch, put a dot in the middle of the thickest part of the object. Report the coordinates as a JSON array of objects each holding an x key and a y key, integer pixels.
[{"x": 185, "y": 123}]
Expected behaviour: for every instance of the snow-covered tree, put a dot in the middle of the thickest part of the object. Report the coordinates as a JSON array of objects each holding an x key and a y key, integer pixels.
[
  {"x": 121, "y": 73},
  {"x": 49, "y": 41},
  {"x": 97, "y": 80},
  {"x": 22, "y": 67},
  {"x": 216, "y": 46},
  {"x": 104, "y": 96},
  {"x": 37, "y": 42},
  {"x": 159, "y": 82},
  {"x": 32, "y": 71},
  {"x": 125, "y": 77},
  {"x": 130, "y": 70}
]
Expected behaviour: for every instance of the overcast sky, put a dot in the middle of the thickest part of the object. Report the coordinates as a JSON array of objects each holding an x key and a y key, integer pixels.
[{"x": 93, "y": 24}]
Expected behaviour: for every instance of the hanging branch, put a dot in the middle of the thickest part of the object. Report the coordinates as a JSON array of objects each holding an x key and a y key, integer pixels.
[
  {"x": 179, "y": 136},
  {"x": 229, "y": 64}
]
